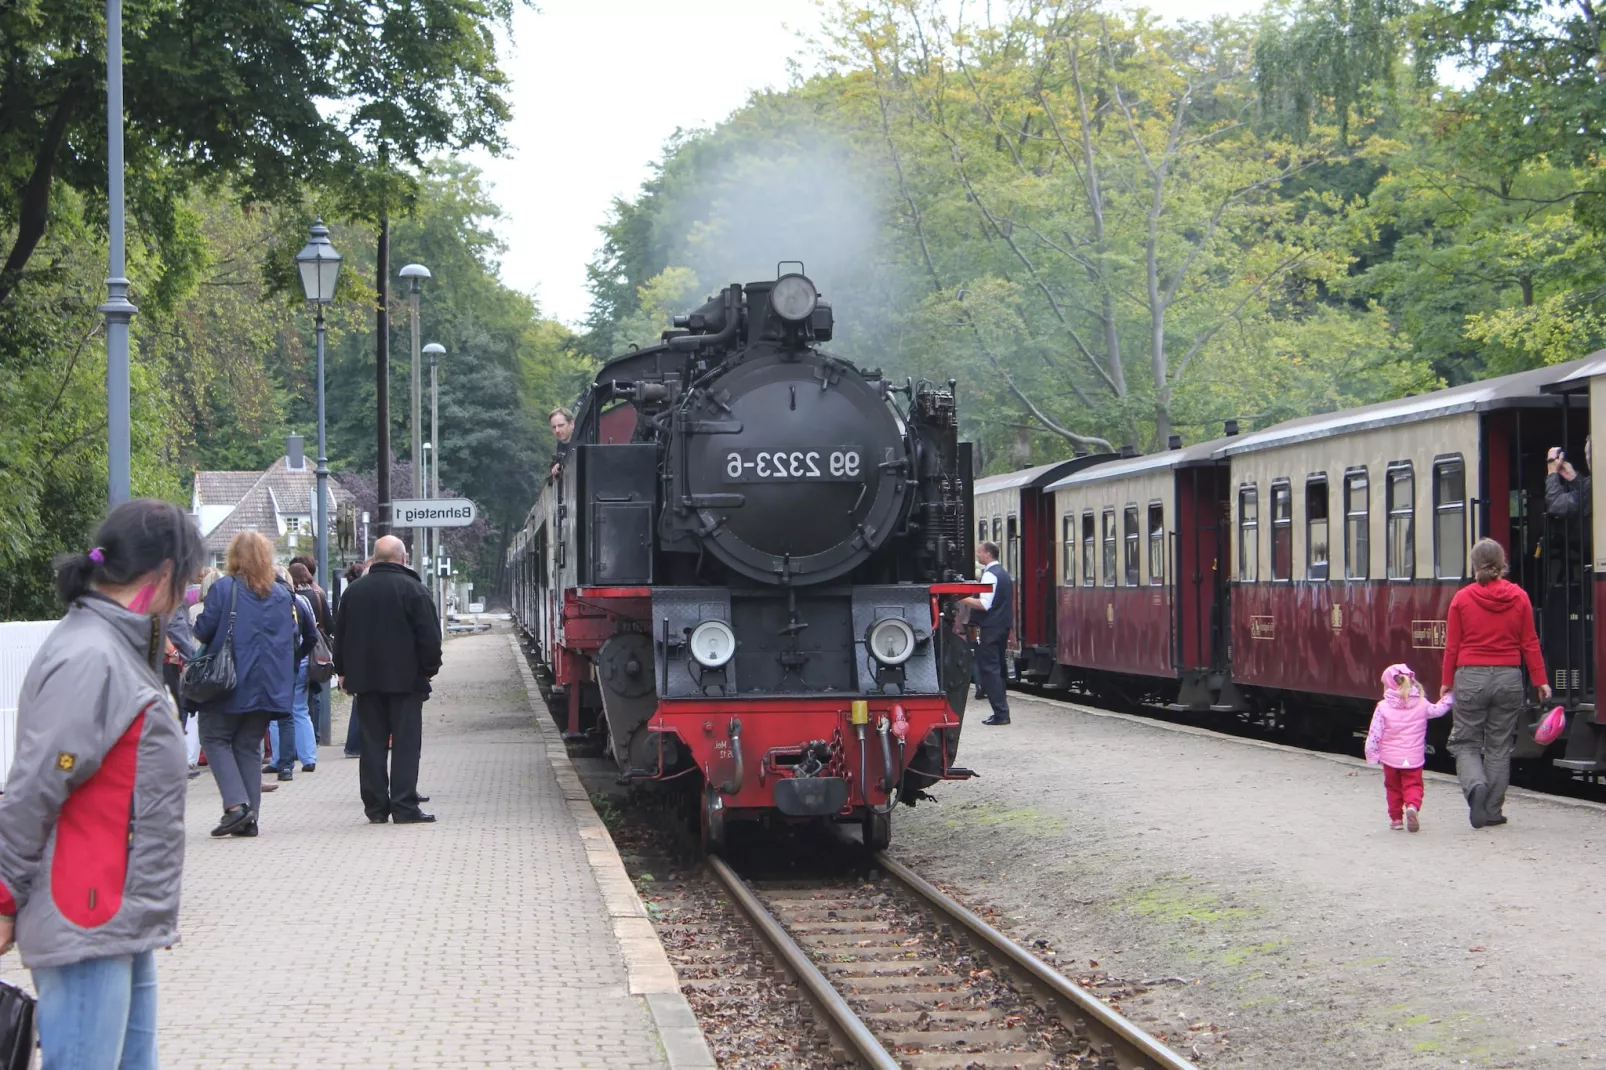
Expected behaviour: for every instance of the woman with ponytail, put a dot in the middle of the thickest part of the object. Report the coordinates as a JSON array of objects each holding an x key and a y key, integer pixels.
[
  {"x": 1489, "y": 638},
  {"x": 92, "y": 820}
]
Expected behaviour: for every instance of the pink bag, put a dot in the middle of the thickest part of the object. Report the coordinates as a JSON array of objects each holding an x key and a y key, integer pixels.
[{"x": 1550, "y": 727}]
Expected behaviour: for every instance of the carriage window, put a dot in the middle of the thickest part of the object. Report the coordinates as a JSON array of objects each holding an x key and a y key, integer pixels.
[
  {"x": 1449, "y": 519},
  {"x": 1134, "y": 543},
  {"x": 1156, "y": 543},
  {"x": 981, "y": 531},
  {"x": 1248, "y": 534},
  {"x": 1068, "y": 549},
  {"x": 1109, "y": 547},
  {"x": 998, "y": 533},
  {"x": 1282, "y": 530},
  {"x": 1316, "y": 527},
  {"x": 1400, "y": 546},
  {"x": 1012, "y": 547},
  {"x": 1090, "y": 576},
  {"x": 1357, "y": 525}
]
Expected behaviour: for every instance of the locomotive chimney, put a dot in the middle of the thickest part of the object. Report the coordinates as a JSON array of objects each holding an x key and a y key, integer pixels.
[{"x": 1230, "y": 428}]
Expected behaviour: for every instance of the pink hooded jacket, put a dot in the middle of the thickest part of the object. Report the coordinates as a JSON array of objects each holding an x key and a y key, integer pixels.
[{"x": 1399, "y": 732}]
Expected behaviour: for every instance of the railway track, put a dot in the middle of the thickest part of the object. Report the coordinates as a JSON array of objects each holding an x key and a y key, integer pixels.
[{"x": 902, "y": 976}]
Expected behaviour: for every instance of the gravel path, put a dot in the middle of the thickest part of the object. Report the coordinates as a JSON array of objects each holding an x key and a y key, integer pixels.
[{"x": 1258, "y": 890}]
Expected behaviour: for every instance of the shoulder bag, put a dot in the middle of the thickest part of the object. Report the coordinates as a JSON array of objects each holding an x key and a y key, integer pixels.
[
  {"x": 320, "y": 663},
  {"x": 211, "y": 676},
  {"x": 16, "y": 1027}
]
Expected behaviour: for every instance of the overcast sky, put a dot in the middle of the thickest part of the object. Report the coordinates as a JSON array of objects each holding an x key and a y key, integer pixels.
[{"x": 599, "y": 85}]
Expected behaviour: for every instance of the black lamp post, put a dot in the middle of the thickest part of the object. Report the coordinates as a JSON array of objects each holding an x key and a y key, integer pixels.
[{"x": 319, "y": 266}]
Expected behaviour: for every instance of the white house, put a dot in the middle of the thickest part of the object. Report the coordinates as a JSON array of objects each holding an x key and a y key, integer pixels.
[{"x": 278, "y": 502}]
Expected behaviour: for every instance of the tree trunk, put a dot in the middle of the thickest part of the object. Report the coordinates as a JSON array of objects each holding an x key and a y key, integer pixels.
[{"x": 34, "y": 211}]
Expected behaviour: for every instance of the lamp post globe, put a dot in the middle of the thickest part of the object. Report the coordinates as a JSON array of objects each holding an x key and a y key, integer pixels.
[{"x": 319, "y": 267}]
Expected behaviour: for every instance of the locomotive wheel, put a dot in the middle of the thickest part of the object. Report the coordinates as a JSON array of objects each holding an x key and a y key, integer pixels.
[
  {"x": 877, "y": 830},
  {"x": 713, "y": 821}
]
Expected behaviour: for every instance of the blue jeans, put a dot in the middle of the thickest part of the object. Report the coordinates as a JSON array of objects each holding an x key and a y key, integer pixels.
[
  {"x": 99, "y": 1014},
  {"x": 305, "y": 744}
]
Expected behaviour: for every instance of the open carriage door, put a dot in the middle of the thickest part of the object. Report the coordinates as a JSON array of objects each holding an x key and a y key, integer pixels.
[{"x": 1561, "y": 573}]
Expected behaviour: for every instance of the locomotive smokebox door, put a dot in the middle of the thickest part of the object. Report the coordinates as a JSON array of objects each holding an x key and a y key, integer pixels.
[{"x": 617, "y": 486}]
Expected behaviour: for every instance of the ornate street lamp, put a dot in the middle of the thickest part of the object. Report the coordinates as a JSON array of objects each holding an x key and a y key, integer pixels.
[{"x": 319, "y": 267}]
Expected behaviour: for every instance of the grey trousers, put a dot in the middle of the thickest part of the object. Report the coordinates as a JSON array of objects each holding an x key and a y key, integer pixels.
[
  {"x": 1488, "y": 701},
  {"x": 233, "y": 744}
]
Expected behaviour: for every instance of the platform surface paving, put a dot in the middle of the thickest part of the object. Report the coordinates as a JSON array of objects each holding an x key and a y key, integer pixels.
[{"x": 479, "y": 941}]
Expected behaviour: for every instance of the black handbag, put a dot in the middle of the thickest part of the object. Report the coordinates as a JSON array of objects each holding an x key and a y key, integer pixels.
[
  {"x": 16, "y": 1027},
  {"x": 211, "y": 676}
]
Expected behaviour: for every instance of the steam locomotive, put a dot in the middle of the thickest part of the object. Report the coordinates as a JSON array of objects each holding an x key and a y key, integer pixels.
[{"x": 746, "y": 569}]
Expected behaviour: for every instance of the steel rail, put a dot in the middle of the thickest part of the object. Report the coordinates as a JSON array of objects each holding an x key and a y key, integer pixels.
[
  {"x": 866, "y": 1048},
  {"x": 1134, "y": 1048}
]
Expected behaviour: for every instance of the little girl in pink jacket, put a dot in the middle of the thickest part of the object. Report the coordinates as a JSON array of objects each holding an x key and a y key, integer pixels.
[{"x": 1398, "y": 740}]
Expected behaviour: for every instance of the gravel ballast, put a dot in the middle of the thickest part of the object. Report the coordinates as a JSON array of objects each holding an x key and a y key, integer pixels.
[{"x": 1257, "y": 900}]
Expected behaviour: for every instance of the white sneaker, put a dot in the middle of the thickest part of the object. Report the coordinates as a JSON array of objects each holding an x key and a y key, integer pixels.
[{"x": 1411, "y": 823}]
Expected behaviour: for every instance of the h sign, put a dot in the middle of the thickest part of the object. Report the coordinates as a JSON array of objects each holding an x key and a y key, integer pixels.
[{"x": 432, "y": 513}]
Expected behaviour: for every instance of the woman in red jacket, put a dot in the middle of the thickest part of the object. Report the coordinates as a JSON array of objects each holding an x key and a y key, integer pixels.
[{"x": 1489, "y": 639}]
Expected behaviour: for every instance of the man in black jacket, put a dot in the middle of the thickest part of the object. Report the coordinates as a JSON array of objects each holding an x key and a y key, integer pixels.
[{"x": 387, "y": 649}]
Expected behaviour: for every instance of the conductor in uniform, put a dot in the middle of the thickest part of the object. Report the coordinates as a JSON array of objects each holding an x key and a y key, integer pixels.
[
  {"x": 387, "y": 649},
  {"x": 997, "y": 606}
]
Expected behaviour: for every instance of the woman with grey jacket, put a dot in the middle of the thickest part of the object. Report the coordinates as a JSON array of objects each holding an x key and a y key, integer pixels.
[{"x": 92, "y": 820}]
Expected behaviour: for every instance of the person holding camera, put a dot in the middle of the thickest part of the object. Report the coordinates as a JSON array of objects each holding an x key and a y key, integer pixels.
[{"x": 1566, "y": 492}]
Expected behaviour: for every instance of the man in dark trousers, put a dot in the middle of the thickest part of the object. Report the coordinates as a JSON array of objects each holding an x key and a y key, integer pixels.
[
  {"x": 997, "y": 608},
  {"x": 387, "y": 649}
]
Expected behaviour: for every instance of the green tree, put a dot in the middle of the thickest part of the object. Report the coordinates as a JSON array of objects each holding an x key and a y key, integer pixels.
[{"x": 218, "y": 89}]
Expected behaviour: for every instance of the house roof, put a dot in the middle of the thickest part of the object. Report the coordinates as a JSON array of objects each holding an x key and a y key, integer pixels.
[
  {"x": 272, "y": 493},
  {"x": 224, "y": 488}
]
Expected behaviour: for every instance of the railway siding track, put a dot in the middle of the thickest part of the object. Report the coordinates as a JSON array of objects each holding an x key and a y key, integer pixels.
[{"x": 903, "y": 976}]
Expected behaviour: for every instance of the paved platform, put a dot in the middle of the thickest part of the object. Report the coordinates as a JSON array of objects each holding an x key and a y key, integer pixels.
[
  {"x": 1258, "y": 894},
  {"x": 506, "y": 935}
]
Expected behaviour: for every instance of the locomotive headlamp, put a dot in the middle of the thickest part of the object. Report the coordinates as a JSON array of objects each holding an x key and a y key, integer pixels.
[
  {"x": 713, "y": 643},
  {"x": 891, "y": 640},
  {"x": 794, "y": 298}
]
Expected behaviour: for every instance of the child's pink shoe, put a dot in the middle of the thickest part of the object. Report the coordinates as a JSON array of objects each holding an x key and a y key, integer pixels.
[
  {"x": 1397, "y": 825},
  {"x": 1411, "y": 823}
]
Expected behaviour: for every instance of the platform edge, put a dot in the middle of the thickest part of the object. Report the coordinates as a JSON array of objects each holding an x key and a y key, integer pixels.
[{"x": 651, "y": 976}]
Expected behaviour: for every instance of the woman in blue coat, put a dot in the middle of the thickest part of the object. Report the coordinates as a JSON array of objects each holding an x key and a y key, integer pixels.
[{"x": 268, "y": 644}]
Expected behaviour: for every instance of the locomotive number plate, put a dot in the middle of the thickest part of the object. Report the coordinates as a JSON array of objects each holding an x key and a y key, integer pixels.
[{"x": 829, "y": 464}]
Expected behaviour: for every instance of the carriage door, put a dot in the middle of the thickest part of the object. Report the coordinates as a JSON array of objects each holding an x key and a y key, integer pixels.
[
  {"x": 1565, "y": 602},
  {"x": 1200, "y": 567},
  {"x": 1011, "y": 548}
]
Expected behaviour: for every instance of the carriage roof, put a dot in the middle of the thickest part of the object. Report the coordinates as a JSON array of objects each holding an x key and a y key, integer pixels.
[{"x": 1484, "y": 395}]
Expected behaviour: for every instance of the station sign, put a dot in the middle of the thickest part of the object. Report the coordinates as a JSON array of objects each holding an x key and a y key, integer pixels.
[{"x": 432, "y": 513}]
